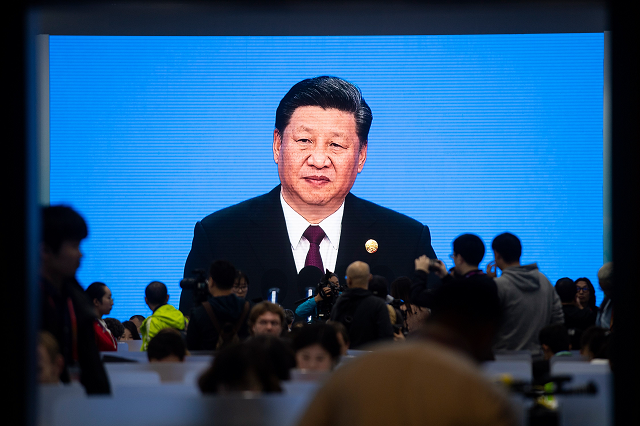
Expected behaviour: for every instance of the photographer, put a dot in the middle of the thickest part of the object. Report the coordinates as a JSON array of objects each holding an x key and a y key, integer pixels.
[
  {"x": 320, "y": 305},
  {"x": 222, "y": 319}
]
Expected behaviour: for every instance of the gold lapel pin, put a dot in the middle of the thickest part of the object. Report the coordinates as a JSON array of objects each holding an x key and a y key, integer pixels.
[{"x": 371, "y": 246}]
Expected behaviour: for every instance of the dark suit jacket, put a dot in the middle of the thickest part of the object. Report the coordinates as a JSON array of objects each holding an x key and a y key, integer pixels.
[{"x": 253, "y": 236}]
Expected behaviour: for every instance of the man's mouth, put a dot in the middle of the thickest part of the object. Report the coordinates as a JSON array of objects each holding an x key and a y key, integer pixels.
[{"x": 317, "y": 179}]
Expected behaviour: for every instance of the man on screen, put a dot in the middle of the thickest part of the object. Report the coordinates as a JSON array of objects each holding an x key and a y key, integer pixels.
[{"x": 285, "y": 240}]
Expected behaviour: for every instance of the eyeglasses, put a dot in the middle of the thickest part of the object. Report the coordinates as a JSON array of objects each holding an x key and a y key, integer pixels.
[
  {"x": 583, "y": 289},
  {"x": 242, "y": 287}
]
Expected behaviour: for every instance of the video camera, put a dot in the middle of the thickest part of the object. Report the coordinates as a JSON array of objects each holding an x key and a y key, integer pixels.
[
  {"x": 328, "y": 300},
  {"x": 198, "y": 286}
]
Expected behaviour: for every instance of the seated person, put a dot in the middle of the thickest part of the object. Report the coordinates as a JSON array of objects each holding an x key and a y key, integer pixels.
[
  {"x": 554, "y": 340},
  {"x": 50, "y": 362},
  {"x": 317, "y": 347},
  {"x": 343, "y": 336},
  {"x": 321, "y": 302},
  {"x": 166, "y": 346},
  {"x": 137, "y": 320},
  {"x": 258, "y": 365},
  {"x": 267, "y": 318},
  {"x": 594, "y": 343},
  {"x": 115, "y": 327},
  {"x": 130, "y": 332},
  {"x": 222, "y": 319},
  {"x": 163, "y": 316},
  {"x": 100, "y": 297}
]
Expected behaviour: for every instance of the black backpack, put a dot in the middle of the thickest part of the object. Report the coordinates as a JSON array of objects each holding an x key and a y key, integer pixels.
[{"x": 228, "y": 332}]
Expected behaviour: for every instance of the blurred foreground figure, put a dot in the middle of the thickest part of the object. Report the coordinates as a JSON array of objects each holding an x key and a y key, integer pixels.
[{"x": 430, "y": 380}]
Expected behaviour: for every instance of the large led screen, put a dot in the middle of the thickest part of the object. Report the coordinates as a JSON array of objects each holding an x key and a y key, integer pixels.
[{"x": 471, "y": 133}]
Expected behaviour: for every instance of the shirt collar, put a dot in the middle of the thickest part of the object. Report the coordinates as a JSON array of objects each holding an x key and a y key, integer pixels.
[{"x": 296, "y": 224}]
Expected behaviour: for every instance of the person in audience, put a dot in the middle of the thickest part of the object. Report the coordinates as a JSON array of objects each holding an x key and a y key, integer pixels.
[
  {"x": 310, "y": 306},
  {"x": 365, "y": 316},
  {"x": 343, "y": 336},
  {"x": 413, "y": 315},
  {"x": 605, "y": 313},
  {"x": 100, "y": 297},
  {"x": 163, "y": 316},
  {"x": 316, "y": 347},
  {"x": 527, "y": 297},
  {"x": 577, "y": 318},
  {"x": 586, "y": 294},
  {"x": 258, "y": 365},
  {"x": 137, "y": 320},
  {"x": 166, "y": 346},
  {"x": 554, "y": 340},
  {"x": 267, "y": 318},
  {"x": 289, "y": 317},
  {"x": 130, "y": 332},
  {"x": 592, "y": 344},
  {"x": 468, "y": 252},
  {"x": 241, "y": 285},
  {"x": 379, "y": 287},
  {"x": 115, "y": 327},
  {"x": 65, "y": 311},
  {"x": 431, "y": 380},
  {"x": 50, "y": 362},
  {"x": 222, "y": 319}
]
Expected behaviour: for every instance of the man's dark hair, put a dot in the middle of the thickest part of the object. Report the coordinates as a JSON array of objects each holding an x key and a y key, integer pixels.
[
  {"x": 60, "y": 224},
  {"x": 139, "y": 317},
  {"x": 556, "y": 337},
  {"x": 95, "y": 290},
  {"x": 223, "y": 274},
  {"x": 321, "y": 334},
  {"x": 566, "y": 289},
  {"x": 470, "y": 247},
  {"x": 508, "y": 246},
  {"x": 156, "y": 293},
  {"x": 326, "y": 92},
  {"x": 379, "y": 286},
  {"x": 167, "y": 342},
  {"x": 115, "y": 327},
  {"x": 401, "y": 289}
]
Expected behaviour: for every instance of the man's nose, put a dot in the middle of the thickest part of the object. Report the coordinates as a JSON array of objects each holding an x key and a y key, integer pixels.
[{"x": 319, "y": 156}]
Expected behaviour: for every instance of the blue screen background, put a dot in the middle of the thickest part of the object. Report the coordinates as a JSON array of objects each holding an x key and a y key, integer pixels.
[{"x": 471, "y": 133}]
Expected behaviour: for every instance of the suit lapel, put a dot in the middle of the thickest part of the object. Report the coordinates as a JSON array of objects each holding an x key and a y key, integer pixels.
[{"x": 356, "y": 224}]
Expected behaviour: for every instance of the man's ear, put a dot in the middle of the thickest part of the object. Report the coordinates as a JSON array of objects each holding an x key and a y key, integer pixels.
[
  {"x": 167, "y": 301},
  {"x": 362, "y": 158},
  {"x": 277, "y": 144},
  {"x": 96, "y": 303}
]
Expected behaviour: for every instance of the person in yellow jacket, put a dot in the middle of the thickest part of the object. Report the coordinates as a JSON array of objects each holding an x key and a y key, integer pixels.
[{"x": 164, "y": 315}]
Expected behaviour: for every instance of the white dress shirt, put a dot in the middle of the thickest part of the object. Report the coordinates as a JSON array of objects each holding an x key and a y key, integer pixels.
[{"x": 296, "y": 225}]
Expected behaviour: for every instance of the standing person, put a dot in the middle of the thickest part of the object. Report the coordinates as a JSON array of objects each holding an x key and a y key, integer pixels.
[
  {"x": 365, "y": 316},
  {"x": 65, "y": 311},
  {"x": 528, "y": 299},
  {"x": 267, "y": 318},
  {"x": 577, "y": 318},
  {"x": 241, "y": 285},
  {"x": 605, "y": 313},
  {"x": 100, "y": 296},
  {"x": 222, "y": 318},
  {"x": 311, "y": 219},
  {"x": 163, "y": 316}
]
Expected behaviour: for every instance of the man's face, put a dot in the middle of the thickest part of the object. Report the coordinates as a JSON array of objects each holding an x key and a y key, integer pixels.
[
  {"x": 318, "y": 157},
  {"x": 268, "y": 323},
  {"x": 66, "y": 261}
]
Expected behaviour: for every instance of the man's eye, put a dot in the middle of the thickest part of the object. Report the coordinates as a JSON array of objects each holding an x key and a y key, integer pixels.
[
  {"x": 336, "y": 145},
  {"x": 303, "y": 140}
]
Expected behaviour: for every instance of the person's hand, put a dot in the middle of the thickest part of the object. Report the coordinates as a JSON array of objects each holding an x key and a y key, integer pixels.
[
  {"x": 422, "y": 263},
  {"x": 577, "y": 302},
  {"x": 398, "y": 336},
  {"x": 319, "y": 297},
  {"x": 492, "y": 269}
]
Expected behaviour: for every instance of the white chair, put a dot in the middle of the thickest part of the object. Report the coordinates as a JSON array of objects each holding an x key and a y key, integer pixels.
[
  {"x": 134, "y": 345},
  {"x": 50, "y": 394},
  {"x": 123, "y": 347}
]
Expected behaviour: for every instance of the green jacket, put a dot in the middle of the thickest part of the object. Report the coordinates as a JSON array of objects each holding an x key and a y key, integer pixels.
[{"x": 166, "y": 316}]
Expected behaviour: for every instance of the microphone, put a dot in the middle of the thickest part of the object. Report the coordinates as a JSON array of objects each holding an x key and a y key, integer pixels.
[{"x": 274, "y": 286}]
